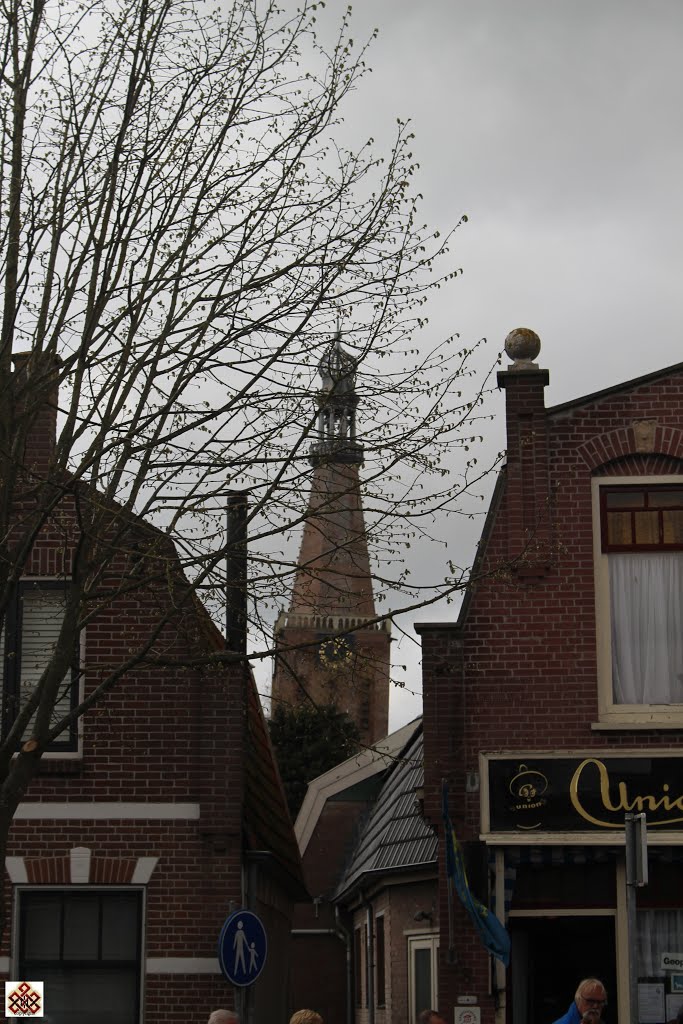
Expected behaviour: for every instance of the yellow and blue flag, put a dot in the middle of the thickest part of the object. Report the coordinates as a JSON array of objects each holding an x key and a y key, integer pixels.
[{"x": 491, "y": 932}]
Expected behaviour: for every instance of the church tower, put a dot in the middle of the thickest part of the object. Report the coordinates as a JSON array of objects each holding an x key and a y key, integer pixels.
[{"x": 330, "y": 649}]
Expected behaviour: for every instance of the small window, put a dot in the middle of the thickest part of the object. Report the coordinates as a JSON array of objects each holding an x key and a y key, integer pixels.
[
  {"x": 357, "y": 968},
  {"x": 379, "y": 958},
  {"x": 86, "y": 948},
  {"x": 33, "y": 622}
]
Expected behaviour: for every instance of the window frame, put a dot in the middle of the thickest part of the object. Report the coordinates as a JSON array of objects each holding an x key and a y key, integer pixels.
[
  {"x": 420, "y": 941},
  {"x": 18, "y": 912},
  {"x": 69, "y": 744},
  {"x": 610, "y": 714}
]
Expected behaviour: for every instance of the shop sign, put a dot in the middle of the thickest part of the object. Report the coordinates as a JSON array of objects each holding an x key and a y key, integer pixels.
[
  {"x": 466, "y": 1015},
  {"x": 671, "y": 962},
  {"x": 583, "y": 793}
]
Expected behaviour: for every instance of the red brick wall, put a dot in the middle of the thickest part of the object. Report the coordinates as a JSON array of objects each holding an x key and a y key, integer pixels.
[{"x": 521, "y": 673}]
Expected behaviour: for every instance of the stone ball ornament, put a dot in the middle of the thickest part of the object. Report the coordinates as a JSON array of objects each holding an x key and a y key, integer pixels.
[{"x": 522, "y": 345}]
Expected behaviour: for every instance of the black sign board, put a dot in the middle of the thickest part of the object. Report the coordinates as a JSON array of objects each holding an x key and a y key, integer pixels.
[{"x": 583, "y": 793}]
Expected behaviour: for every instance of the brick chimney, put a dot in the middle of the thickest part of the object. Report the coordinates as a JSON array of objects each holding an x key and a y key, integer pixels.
[
  {"x": 35, "y": 393},
  {"x": 529, "y": 497}
]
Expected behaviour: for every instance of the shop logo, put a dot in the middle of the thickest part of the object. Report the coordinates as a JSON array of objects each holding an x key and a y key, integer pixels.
[
  {"x": 527, "y": 788},
  {"x": 24, "y": 999}
]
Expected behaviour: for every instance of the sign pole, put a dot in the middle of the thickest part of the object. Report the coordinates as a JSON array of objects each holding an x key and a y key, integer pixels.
[{"x": 635, "y": 840}]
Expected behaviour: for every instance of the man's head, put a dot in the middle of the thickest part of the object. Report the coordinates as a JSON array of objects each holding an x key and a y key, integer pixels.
[
  {"x": 305, "y": 1017},
  {"x": 430, "y": 1017},
  {"x": 591, "y": 998},
  {"x": 224, "y": 1017}
]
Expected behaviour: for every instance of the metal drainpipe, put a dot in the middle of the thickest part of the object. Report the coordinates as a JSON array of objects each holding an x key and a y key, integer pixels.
[{"x": 347, "y": 937}]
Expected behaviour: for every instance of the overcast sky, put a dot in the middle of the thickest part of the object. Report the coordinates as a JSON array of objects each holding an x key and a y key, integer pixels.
[{"x": 556, "y": 126}]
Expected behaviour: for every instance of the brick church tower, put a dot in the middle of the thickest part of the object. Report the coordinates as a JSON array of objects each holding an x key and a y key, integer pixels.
[{"x": 331, "y": 651}]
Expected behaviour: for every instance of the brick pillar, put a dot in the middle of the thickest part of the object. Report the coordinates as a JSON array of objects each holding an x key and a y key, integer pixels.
[{"x": 528, "y": 488}]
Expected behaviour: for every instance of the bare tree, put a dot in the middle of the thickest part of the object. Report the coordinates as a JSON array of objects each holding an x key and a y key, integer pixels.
[{"x": 180, "y": 237}]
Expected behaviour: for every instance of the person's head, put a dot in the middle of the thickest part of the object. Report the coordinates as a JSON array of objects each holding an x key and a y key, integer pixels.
[
  {"x": 591, "y": 998},
  {"x": 430, "y": 1017},
  {"x": 223, "y": 1017},
  {"x": 305, "y": 1017}
]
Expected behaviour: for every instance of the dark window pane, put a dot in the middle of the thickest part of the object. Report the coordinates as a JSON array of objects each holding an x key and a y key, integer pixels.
[
  {"x": 120, "y": 928},
  {"x": 42, "y": 921},
  {"x": 81, "y": 928},
  {"x": 647, "y": 527},
  {"x": 665, "y": 499},
  {"x": 367, "y": 967},
  {"x": 76, "y": 995},
  {"x": 625, "y": 499},
  {"x": 423, "y": 980}
]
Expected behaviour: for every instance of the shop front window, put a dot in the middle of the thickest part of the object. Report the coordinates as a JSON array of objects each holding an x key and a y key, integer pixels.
[{"x": 660, "y": 981}]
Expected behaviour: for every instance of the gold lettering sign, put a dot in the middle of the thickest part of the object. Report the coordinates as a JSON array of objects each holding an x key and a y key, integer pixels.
[{"x": 616, "y": 799}]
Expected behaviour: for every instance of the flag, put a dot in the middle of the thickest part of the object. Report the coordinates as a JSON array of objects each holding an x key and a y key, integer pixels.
[{"x": 491, "y": 932}]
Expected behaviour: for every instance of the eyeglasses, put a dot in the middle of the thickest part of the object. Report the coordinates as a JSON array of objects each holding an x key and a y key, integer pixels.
[{"x": 594, "y": 1002}]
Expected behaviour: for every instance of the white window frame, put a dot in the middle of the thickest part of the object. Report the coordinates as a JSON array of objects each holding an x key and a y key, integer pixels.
[
  {"x": 611, "y": 715},
  {"x": 76, "y": 753},
  {"x": 109, "y": 890},
  {"x": 430, "y": 941}
]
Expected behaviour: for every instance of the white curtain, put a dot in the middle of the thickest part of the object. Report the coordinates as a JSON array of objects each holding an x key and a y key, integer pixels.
[
  {"x": 657, "y": 931},
  {"x": 646, "y": 597}
]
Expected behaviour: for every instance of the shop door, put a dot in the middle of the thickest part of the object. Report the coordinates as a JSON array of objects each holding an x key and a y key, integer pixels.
[{"x": 550, "y": 956}]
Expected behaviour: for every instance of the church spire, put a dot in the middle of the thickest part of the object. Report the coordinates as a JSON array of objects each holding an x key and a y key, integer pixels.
[{"x": 337, "y": 652}]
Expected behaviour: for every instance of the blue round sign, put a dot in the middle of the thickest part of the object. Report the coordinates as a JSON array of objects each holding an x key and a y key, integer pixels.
[{"x": 242, "y": 948}]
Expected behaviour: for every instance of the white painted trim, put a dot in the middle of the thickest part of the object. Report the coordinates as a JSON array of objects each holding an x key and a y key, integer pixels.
[
  {"x": 143, "y": 870},
  {"x": 80, "y": 865},
  {"x": 16, "y": 869},
  {"x": 349, "y": 773},
  {"x": 4, "y": 965},
  {"x": 182, "y": 965},
  {"x": 103, "y": 811}
]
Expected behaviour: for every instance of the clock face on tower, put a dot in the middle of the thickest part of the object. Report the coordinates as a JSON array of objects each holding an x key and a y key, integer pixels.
[{"x": 335, "y": 652}]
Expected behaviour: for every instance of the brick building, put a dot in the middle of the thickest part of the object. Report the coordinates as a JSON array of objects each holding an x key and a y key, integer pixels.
[
  {"x": 366, "y": 949},
  {"x": 331, "y": 648},
  {"x": 161, "y": 810},
  {"x": 554, "y": 704}
]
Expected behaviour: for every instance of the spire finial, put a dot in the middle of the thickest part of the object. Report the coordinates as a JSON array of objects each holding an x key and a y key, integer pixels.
[{"x": 337, "y": 401}]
